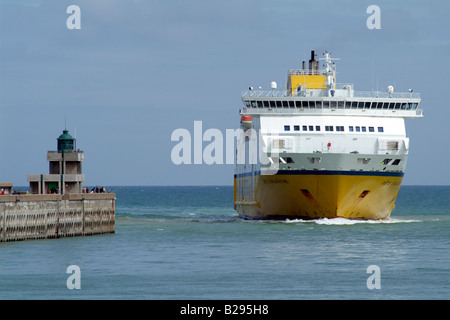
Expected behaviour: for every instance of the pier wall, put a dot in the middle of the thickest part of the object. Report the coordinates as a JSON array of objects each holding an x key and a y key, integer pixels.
[{"x": 48, "y": 216}]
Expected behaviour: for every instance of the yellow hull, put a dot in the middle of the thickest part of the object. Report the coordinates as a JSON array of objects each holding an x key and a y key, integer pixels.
[{"x": 298, "y": 195}]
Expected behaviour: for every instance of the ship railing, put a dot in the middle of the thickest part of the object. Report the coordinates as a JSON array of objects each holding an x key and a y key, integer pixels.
[
  {"x": 266, "y": 93},
  {"x": 307, "y": 72},
  {"x": 324, "y": 94},
  {"x": 383, "y": 94}
]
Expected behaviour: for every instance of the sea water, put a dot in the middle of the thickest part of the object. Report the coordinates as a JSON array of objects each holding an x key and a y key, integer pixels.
[{"x": 175, "y": 243}]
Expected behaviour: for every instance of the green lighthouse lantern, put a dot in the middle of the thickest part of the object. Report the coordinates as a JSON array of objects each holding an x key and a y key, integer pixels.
[{"x": 65, "y": 142}]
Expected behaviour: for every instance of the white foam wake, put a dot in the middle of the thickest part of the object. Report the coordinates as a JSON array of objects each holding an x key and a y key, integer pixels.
[{"x": 343, "y": 221}]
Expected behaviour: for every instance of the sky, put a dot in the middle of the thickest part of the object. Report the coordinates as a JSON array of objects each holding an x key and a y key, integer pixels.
[{"x": 137, "y": 70}]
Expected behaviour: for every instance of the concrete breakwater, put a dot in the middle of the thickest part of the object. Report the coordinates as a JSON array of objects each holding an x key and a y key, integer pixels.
[{"x": 45, "y": 216}]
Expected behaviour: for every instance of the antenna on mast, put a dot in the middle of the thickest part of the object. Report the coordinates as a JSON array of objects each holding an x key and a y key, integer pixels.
[{"x": 330, "y": 72}]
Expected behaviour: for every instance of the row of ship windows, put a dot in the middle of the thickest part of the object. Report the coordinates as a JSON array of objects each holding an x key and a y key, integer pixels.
[
  {"x": 332, "y": 128},
  {"x": 331, "y": 104},
  {"x": 387, "y": 161}
]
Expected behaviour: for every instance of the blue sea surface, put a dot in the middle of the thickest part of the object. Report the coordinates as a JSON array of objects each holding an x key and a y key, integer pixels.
[{"x": 188, "y": 243}]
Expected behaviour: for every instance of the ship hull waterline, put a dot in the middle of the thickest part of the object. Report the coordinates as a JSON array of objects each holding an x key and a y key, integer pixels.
[{"x": 316, "y": 194}]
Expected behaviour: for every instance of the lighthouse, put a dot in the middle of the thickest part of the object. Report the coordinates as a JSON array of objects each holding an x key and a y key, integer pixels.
[{"x": 65, "y": 169}]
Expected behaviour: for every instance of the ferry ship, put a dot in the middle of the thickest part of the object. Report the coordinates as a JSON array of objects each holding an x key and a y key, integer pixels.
[{"x": 326, "y": 150}]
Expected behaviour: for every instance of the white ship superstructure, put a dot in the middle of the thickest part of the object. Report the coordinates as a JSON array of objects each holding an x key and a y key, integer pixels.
[{"x": 336, "y": 152}]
